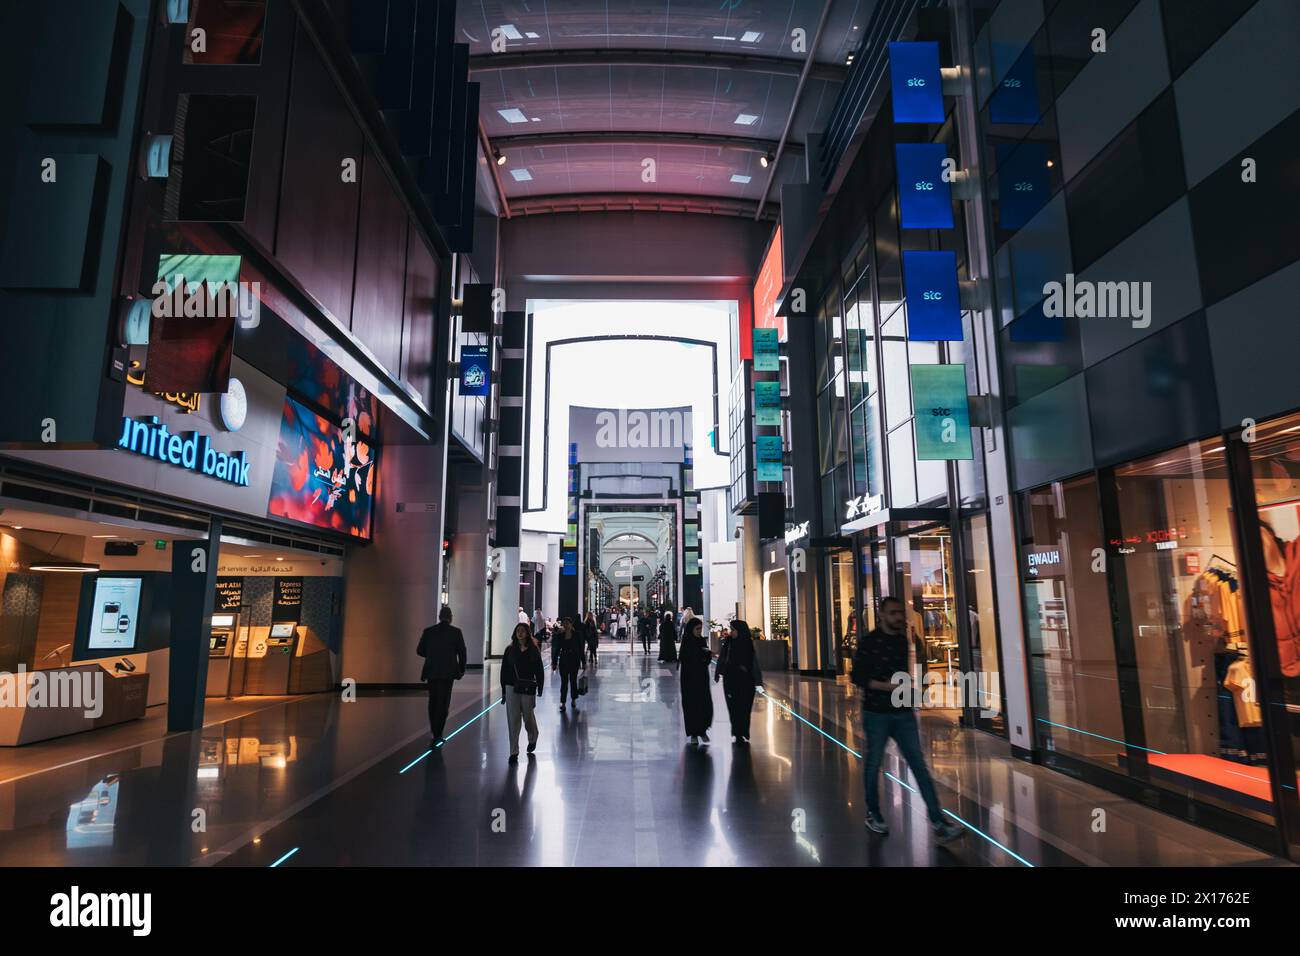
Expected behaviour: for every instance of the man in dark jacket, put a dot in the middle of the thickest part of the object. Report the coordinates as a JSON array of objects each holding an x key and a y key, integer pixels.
[
  {"x": 887, "y": 712},
  {"x": 443, "y": 649}
]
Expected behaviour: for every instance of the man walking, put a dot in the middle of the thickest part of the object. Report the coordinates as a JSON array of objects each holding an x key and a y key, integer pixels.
[
  {"x": 885, "y": 715},
  {"x": 443, "y": 649}
]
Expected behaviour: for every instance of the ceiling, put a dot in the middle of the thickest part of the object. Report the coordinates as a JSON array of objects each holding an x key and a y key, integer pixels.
[{"x": 587, "y": 92}]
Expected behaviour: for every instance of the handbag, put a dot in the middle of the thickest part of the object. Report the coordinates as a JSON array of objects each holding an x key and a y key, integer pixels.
[
  {"x": 524, "y": 685},
  {"x": 582, "y": 686}
]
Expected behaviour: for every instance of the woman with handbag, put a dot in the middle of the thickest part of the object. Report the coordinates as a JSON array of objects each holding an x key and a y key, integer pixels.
[
  {"x": 570, "y": 656},
  {"x": 522, "y": 673},
  {"x": 697, "y": 699},
  {"x": 740, "y": 674}
]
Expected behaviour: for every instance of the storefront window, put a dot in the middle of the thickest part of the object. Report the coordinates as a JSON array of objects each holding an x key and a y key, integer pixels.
[
  {"x": 844, "y": 621},
  {"x": 985, "y": 660},
  {"x": 1068, "y": 626},
  {"x": 1275, "y": 466}
]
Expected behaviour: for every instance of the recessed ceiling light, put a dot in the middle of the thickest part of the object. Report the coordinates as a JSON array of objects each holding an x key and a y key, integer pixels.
[
  {"x": 511, "y": 32},
  {"x": 531, "y": 35},
  {"x": 16, "y": 527},
  {"x": 513, "y": 115},
  {"x": 750, "y": 36},
  {"x": 746, "y": 119},
  {"x": 65, "y": 567},
  {"x": 739, "y": 178},
  {"x": 521, "y": 175},
  {"x": 723, "y": 38},
  {"x": 103, "y": 536},
  {"x": 537, "y": 119},
  {"x": 279, "y": 559}
]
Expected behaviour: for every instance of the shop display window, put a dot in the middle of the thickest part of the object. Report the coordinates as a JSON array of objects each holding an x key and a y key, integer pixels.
[
  {"x": 1175, "y": 546},
  {"x": 1068, "y": 625},
  {"x": 1275, "y": 470}
]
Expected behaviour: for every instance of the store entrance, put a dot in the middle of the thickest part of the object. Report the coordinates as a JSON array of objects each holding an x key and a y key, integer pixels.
[{"x": 927, "y": 585}]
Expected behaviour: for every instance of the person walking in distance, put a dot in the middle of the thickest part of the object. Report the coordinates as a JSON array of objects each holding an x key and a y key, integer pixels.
[
  {"x": 592, "y": 636},
  {"x": 522, "y": 674},
  {"x": 443, "y": 649},
  {"x": 647, "y": 631},
  {"x": 667, "y": 640},
  {"x": 740, "y": 674},
  {"x": 880, "y": 656},
  {"x": 697, "y": 700},
  {"x": 569, "y": 656}
]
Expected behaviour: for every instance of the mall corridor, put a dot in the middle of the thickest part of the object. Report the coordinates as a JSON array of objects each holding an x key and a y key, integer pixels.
[{"x": 314, "y": 781}]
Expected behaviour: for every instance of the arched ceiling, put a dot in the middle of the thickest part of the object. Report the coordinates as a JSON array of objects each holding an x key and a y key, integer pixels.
[{"x": 587, "y": 90}]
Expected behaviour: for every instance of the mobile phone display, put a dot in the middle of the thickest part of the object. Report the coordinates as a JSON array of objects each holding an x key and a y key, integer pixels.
[{"x": 117, "y": 612}]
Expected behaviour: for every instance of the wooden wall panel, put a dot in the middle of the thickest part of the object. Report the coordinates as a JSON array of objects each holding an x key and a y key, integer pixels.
[{"x": 381, "y": 267}]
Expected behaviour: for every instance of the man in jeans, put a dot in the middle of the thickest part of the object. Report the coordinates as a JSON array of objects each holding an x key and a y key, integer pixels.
[{"x": 880, "y": 655}]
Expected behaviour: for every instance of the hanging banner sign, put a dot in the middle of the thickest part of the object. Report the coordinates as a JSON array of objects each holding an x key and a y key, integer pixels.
[
  {"x": 767, "y": 350},
  {"x": 942, "y": 413},
  {"x": 767, "y": 403},
  {"x": 933, "y": 309},
  {"x": 287, "y": 605},
  {"x": 1024, "y": 185},
  {"x": 915, "y": 82},
  {"x": 230, "y": 595},
  {"x": 1015, "y": 100},
  {"x": 475, "y": 370},
  {"x": 924, "y": 199},
  {"x": 768, "y": 457}
]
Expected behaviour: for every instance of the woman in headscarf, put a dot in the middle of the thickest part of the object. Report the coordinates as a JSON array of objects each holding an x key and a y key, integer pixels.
[
  {"x": 739, "y": 672},
  {"x": 697, "y": 699},
  {"x": 667, "y": 639}
]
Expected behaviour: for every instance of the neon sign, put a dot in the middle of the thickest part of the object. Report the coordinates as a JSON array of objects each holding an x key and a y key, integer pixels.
[{"x": 189, "y": 450}]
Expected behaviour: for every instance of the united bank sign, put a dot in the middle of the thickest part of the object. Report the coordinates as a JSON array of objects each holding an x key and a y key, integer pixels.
[{"x": 189, "y": 450}]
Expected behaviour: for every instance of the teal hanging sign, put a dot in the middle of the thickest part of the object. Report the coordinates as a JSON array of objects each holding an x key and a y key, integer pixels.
[
  {"x": 767, "y": 351},
  {"x": 942, "y": 422},
  {"x": 767, "y": 403}
]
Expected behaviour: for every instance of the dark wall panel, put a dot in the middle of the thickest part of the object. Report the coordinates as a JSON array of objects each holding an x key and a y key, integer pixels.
[
  {"x": 316, "y": 236},
  {"x": 1153, "y": 395},
  {"x": 417, "y": 328},
  {"x": 381, "y": 267}
]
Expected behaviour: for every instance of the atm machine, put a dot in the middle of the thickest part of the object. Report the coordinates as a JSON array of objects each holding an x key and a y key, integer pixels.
[
  {"x": 269, "y": 660},
  {"x": 221, "y": 645}
]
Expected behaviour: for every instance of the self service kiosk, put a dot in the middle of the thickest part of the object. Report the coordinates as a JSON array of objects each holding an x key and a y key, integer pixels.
[
  {"x": 270, "y": 657},
  {"x": 221, "y": 647}
]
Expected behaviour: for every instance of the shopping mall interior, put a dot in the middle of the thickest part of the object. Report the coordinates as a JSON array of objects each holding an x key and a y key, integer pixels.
[{"x": 915, "y": 368}]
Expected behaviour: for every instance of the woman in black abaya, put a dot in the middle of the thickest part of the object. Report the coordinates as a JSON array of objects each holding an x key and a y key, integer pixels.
[
  {"x": 739, "y": 672},
  {"x": 667, "y": 639},
  {"x": 697, "y": 699}
]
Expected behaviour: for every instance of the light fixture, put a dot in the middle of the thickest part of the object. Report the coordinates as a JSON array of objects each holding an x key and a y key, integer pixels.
[
  {"x": 765, "y": 160},
  {"x": 513, "y": 115},
  {"x": 499, "y": 156},
  {"x": 279, "y": 559},
  {"x": 1050, "y": 164},
  {"x": 745, "y": 119},
  {"x": 66, "y": 567},
  {"x": 740, "y": 178}
]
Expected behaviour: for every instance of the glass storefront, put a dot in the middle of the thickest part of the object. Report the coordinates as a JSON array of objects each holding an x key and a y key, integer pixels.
[{"x": 1146, "y": 657}]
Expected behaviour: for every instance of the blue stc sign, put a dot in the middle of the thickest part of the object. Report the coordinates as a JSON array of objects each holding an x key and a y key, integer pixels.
[
  {"x": 915, "y": 82},
  {"x": 475, "y": 370},
  {"x": 190, "y": 450},
  {"x": 924, "y": 198},
  {"x": 933, "y": 309},
  {"x": 1024, "y": 185}
]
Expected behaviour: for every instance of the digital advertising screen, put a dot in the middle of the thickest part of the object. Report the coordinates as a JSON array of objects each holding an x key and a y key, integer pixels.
[
  {"x": 115, "y": 614},
  {"x": 323, "y": 476}
]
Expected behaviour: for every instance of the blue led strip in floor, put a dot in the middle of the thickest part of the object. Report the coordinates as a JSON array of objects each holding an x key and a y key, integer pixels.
[
  {"x": 285, "y": 857},
  {"x": 968, "y": 826},
  {"x": 1099, "y": 736},
  {"x": 500, "y": 700}
]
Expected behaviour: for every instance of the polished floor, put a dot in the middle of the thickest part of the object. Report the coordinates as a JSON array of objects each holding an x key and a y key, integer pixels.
[{"x": 317, "y": 782}]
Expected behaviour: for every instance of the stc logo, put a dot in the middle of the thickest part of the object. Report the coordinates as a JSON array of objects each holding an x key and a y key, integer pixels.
[
  {"x": 916, "y": 81},
  {"x": 924, "y": 186},
  {"x": 932, "y": 296}
]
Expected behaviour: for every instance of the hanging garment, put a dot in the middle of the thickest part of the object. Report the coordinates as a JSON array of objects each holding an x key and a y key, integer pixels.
[{"x": 1241, "y": 682}]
